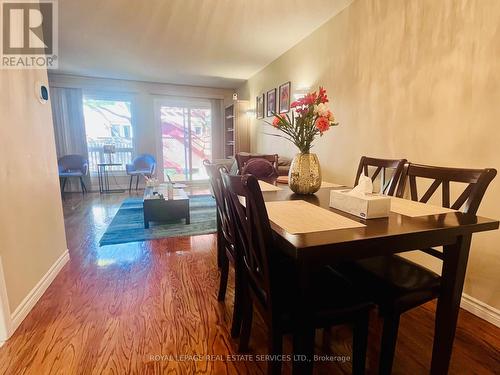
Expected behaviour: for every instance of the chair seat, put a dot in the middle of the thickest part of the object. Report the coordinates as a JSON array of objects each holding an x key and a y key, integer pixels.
[
  {"x": 392, "y": 281},
  {"x": 71, "y": 174},
  {"x": 139, "y": 172},
  {"x": 333, "y": 297}
]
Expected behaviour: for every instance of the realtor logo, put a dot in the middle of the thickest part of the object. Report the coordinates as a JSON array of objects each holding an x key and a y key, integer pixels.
[{"x": 29, "y": 34}]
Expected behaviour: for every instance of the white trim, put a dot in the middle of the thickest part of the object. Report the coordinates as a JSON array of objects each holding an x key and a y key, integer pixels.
[
  {"x": 5, "y": 322},
  {"x": 34, "y": 295},
  {"x": 480, "y": 309}
]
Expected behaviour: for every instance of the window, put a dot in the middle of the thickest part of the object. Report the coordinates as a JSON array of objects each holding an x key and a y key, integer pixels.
[
  {"x": 186, "y": 138},
  {"x": 108, "y": 122}
]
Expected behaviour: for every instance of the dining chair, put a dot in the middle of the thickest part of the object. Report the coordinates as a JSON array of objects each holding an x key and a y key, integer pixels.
[
  {"x": 225, "y": 244},
  {"x": 212, "y": 168},
  {"x": 73, "y": 166},
  {"x": 142, "y": 165},
  {"x": 262, "y": 169},
  {"x": 388, "y": 170},
  {"x": 269, "y": 280},
  {"x": 397, "y": 284},
  {"x": 243, "y": 159}
]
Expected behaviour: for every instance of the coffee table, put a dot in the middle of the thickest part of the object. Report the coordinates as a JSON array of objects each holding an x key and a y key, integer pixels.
[{"x": 158, "y": 208}]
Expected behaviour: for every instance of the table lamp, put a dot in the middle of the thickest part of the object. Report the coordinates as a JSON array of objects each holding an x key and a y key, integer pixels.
[{"x": 109, "y": 149}]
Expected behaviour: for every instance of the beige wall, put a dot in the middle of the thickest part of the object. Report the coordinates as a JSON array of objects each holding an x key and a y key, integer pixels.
[
  {"x": 415, "y": 79},
  {"x": 32, "y": 234}
]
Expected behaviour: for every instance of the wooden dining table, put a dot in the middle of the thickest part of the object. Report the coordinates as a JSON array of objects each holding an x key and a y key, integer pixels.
[{"x": 384, "y": 236}]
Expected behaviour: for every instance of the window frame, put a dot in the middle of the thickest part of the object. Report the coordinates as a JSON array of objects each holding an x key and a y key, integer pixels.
[{"x": 116, "y": 96}]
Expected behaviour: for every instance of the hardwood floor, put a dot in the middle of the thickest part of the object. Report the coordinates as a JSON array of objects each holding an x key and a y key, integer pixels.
[{"x": 150, "y": 308}]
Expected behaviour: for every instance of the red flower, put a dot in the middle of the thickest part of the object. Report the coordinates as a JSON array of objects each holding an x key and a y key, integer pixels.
[
  {"x": 295, "y": 104},
  {"x": 310, "y": 98},
  {"x": 323, "y": 98},
  {"x": 322, "y": 124},
  {"x": 276, "y": 121}
]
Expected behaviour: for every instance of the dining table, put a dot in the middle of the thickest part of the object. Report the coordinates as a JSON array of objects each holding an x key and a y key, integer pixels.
[{"x": 397, "y": 233}]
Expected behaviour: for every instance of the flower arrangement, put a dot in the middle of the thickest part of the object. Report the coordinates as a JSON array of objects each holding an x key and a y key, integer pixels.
[{"x": 313, "y": 117}]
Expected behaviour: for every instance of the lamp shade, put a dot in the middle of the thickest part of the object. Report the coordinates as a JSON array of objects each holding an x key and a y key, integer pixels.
[{"x": 108, "y": 149}]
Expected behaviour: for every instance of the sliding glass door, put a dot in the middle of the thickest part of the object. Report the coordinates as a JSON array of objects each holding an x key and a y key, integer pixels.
[{"x": 186, "y": 138}]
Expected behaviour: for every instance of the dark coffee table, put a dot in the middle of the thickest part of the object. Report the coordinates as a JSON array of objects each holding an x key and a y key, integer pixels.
[{"x": 160, "y": 209}]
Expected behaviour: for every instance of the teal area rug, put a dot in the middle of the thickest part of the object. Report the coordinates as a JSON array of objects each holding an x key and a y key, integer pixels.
[{"x": 128, "y": 223}]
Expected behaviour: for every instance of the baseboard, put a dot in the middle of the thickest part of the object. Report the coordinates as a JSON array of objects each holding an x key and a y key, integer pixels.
[
  {"x": 34, "y": 295},
  {"x": 480, "y": 309},
  {"x": 5, "y": 322}
]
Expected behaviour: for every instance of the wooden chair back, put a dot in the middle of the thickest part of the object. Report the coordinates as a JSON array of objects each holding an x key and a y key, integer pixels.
[
  {"x": 243, "y": 158},
  {"x": 215, "y": 178},
  {"x": 477, "y": 181},
  {"x": 389, "y": 171},
  {"x": 253, "y": 232}
]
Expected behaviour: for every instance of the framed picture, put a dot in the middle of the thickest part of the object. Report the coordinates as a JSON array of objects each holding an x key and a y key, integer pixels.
[
  {"x": 271, "y": 102},
  {"x": 259, "y": 106},
  {"x": 284, "y": 93}
]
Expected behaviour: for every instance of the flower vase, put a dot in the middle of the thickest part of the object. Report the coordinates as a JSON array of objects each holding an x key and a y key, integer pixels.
[{"x": 305, "y": 174}]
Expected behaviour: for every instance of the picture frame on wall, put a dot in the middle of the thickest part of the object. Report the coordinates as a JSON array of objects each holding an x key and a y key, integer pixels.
[
  {"x": 259, "y": 106},
  {"x": 271, "y": 102},
  {"x": 284, "y": 97}
]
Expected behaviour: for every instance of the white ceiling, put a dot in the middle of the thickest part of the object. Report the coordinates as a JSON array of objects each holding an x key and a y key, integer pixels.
[{"x": 215, "y": 43}]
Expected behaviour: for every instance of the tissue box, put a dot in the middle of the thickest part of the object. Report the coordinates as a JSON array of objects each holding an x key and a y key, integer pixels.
[{"x": 367, "y": 206}]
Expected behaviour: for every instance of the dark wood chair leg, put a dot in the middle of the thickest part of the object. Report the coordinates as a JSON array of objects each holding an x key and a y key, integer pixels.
[
  {"x": 388, "y": 345},
  {"x": 82, "y": 185},
  {"x": 360, "y": 342},
  {"x": 275, "y": 348},
  {"x": 224, "y": 273},
  {"x": 137, "y": 183},
  {"x": 63, "y": 184},
  {"x": 303, "y": 347},
  {"x": 326, "y": 339},
  {"x": 130, "y": 184},
  {"x": 220, "y": 243},
  {"x": 246, "y": 325},
  {"x": 239, "y": 295}
]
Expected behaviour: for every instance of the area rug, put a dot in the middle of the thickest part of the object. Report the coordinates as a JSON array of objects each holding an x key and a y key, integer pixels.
[{"x": 128, "y": 223}]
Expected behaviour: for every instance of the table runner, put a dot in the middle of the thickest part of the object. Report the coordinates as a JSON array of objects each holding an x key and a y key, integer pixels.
[
  {"x": 303, "y": 217},
  {"x": 415, "y": 209},
  {"x": 265, "y": 186},
  {"x": 325, "y": 184}
]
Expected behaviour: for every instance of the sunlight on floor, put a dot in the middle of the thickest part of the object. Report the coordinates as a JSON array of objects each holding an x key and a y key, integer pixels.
[
  {"x": 123, "y": 254},
  {"x": 101, "y": 215}
]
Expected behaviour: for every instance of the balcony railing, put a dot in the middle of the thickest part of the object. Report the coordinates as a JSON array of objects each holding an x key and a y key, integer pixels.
[{"x": 123, "y": 154}]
